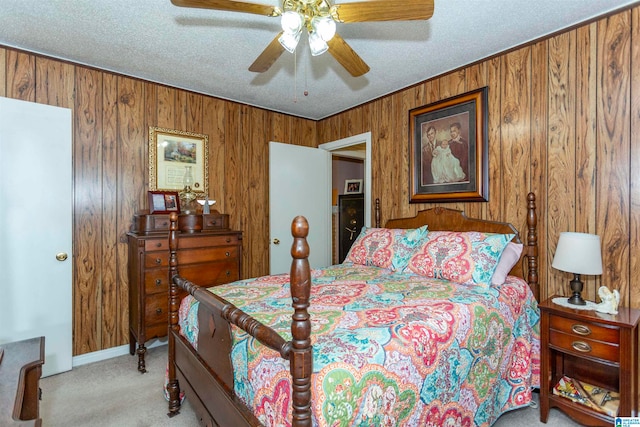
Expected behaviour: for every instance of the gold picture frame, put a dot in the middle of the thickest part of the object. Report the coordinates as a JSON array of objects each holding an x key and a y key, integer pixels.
[
  {"x": 170, "y": 151},
  {"x": 448, "y": 150}
]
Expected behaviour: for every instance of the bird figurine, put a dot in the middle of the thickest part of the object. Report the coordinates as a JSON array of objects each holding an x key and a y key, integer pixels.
[{"x": 609, "y": 300}]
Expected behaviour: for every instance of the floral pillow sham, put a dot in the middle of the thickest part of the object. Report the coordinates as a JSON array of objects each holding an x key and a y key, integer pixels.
[
  {"x": 389, "y": 248},
  {"x": 467, "y": 257}
]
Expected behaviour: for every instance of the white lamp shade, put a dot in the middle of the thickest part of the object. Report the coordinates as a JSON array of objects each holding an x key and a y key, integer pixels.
[{"x": 578, "y": 253}]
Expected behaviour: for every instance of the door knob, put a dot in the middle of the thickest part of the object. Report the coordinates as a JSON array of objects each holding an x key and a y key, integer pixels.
[
  {"x": 61, "y": 256},
  {"x": 276, "y": 241}
]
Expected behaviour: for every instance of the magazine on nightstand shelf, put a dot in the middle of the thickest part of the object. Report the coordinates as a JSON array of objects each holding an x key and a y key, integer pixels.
[{"x": 596, "y": 398}]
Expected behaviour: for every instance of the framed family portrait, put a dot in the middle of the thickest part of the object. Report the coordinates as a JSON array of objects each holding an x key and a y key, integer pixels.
[
  {"x": 164, "y": 202},
  {"x": 171, "y": 154},
  {"x": 352, "y": 186},
  {"x": 448, "y": 150}
]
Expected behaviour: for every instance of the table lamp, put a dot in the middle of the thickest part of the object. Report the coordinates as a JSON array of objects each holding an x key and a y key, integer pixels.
[{"x": 578, "y": 253}]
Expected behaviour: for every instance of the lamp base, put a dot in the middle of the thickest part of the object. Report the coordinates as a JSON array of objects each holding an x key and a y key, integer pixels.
[
  {"x": 576, "y": 300},
  {"x": 576, "y": 287}
]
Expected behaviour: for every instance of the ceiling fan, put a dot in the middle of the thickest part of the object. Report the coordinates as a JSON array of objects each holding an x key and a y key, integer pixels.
[{"x": 319, "y": 18}]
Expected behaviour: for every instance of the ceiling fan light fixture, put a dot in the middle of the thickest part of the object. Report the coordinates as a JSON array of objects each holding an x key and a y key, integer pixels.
[
  {"x": 289, "y": 41},
  {"x": 291, "y": 22},
  {"x": 316, "y": 44},
  {"x": 324, "y": 26}
]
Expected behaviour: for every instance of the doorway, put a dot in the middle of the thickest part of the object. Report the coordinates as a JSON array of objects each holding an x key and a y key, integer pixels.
[
  {"x": 356, "y": 149},
  {"x": 283, "y": 157}
]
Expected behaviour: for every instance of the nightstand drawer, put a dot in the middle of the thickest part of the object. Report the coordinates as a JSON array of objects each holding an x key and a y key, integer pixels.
[
  {"x": 581, "y": 329},
  {"x": 584, "y": 346}
]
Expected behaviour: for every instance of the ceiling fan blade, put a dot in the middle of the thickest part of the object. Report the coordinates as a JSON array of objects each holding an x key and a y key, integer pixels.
[
  {"x": 347, "y": 57},
  {"x": 230, "y": 5},
  {"x": 383, "y": 10},
  {"x": 268, "y": 56}
]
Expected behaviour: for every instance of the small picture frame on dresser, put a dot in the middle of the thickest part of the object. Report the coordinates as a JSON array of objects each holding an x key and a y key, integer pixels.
[{"x": 163, "y": 202}]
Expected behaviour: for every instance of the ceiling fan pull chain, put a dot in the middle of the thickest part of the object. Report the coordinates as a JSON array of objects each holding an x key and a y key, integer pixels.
[
  {"x": 306, "y": 85},
  {"x": 295, "y": 77}
]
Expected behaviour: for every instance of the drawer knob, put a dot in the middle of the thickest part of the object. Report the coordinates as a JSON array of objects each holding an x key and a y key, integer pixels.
[
  {"x": 158, "y": 245},
  {"x": 158, "y": 310},
  {"x": 228, "y": 273},
  {"x": 581, "y": 346},
  {"x": 581, "y": 330},
  {"x": 228, "y": 239},
  {"x": 158, "y": 261},
  {"x": 158, "y": 282},
  {"x": 227, "y": 253}
]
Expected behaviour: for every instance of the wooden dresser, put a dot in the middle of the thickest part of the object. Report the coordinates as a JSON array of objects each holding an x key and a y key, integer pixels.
[
  {"x": 20, "y": 370},
  {"x": 211, "y": 256}
]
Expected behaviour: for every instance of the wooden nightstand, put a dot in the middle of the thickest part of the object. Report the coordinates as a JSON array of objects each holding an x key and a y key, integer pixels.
[{"x": 593, "y": 348}]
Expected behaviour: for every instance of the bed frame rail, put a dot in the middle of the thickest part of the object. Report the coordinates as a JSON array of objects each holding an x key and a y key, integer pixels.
[{"x": 298, "y": 351}]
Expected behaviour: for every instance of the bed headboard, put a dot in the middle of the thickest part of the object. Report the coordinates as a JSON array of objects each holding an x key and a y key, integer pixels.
[{"x": 444, "y": 219}]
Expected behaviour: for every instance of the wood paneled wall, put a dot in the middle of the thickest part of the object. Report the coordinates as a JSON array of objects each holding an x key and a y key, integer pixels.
[
  {"x": 562, "y": 123},
  {"x": 111, "y": 118}
]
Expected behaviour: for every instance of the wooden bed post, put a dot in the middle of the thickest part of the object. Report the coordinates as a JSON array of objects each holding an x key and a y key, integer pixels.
[
  {"x": 174, "y": 305},
  {"x": 532, "y": 242},
  {"x": 301, "y": 358}
]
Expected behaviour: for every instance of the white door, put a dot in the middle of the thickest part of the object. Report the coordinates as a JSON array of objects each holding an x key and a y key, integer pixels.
[
  {"x": 299, "y": 184},
  {"x": 36, "y": 228}
]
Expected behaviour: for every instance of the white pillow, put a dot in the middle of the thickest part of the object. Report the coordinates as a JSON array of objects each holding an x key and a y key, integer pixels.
[{"x": 508, "y": 259}]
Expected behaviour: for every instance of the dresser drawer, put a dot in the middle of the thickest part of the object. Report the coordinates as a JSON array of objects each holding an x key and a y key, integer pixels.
[
  {"x": 156, "y": 308},
  {"x": 210, "y": 254},
  {"x": 151, "y": 223},
  {"x": 156, "y": 280},
  {"x": 215, "y": 221},
  {"x": 156, "y": 259},
  {"x": 584, "y": 346},
  {"x": 156, "y": 245},
  {"x": 211, "y": 274},
  {"x": 584, "y": 329},
  {"x": 205, "y": 240}
]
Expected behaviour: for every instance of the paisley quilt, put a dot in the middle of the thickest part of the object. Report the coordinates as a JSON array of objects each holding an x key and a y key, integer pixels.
[{"x": 389, "y": 348}]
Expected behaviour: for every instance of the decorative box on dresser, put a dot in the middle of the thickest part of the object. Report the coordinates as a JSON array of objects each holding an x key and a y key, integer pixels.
[
  {"x": 593, "y": 348},
  {"x": 209, "y": 254}
]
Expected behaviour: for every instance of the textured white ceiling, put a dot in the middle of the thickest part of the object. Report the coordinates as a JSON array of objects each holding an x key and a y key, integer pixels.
[{"x": 209, "y": 51}]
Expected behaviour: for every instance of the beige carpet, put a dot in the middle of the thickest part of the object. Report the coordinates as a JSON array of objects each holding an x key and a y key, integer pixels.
[{"x": 113, "y": 393}]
